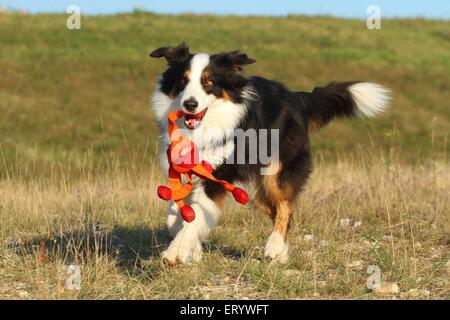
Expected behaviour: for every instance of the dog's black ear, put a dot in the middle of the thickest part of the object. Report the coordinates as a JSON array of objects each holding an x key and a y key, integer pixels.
[
  {"x": 234, "y": 59},
  {"x": 171, "y": 53}
]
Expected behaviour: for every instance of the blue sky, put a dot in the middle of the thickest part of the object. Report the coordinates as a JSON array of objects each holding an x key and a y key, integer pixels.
[{"x": 344, "y": 8}]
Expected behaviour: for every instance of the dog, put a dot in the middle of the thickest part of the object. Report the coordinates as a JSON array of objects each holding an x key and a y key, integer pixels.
[{"x": 217, "y": 98}]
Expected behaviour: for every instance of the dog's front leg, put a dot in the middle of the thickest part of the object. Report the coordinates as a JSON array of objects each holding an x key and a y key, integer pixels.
[{"x": 186, "y": 246}]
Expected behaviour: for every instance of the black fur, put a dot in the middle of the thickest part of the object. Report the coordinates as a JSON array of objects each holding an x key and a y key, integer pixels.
[
  {"x": 276, "y": 107},
  {"x": 224, "y": 72},
  {"x": 273, "y": 107},
  {"x": 178, "y": 59},
  {"x": 324, "y": 104}
]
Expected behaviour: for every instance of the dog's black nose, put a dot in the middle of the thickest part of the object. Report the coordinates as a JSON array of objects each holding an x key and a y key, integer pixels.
[{"x": 190, "y": 104}]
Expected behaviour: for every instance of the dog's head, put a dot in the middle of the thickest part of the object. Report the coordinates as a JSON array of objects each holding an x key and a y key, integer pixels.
[{"x": 198, "y": 81}]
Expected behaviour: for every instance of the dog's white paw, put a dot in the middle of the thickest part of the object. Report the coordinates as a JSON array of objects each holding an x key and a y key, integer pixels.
[
  {"x": 180, "y": 252},
  {"x": 276, "y": 248}
]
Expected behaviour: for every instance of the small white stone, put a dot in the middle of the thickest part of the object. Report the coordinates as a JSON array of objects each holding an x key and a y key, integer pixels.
[
  {"x": 387, "y": 288},
  {"x": 23, "y": 293},
  {"x": 308, "y": 237},
  {"x": 20, "y": 285},
  {"x": 357, "y": 224}
]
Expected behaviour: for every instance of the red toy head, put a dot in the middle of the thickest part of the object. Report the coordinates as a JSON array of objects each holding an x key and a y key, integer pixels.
[
  {"x": 183, "y": 158},
  {"x": 183, "y": 155}
]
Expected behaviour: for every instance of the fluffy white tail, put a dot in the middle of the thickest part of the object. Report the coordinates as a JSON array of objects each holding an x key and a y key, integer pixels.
[{"x": 371, "y": 99}]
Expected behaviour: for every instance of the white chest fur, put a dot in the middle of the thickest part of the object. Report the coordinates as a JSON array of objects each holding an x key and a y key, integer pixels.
[{"x": 214, "y": 137}]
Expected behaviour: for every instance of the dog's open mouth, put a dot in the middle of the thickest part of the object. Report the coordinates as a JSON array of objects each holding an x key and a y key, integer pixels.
[{"x": 192, "y": 121}]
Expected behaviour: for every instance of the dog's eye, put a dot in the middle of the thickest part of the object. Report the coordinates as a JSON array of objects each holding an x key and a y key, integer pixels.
[
  {"x": 207, "y": 82},
  {"x": 185, "y": 80}
]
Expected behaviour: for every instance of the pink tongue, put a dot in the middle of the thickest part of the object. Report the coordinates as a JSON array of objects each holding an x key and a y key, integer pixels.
[{"x": 191, "y": 122}]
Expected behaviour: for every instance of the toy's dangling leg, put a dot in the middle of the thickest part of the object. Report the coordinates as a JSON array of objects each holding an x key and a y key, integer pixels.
[
  {"x": 186, "y": 211},
  {"x": 238, "y": 194},
  {"x": 178, "y": 192}
]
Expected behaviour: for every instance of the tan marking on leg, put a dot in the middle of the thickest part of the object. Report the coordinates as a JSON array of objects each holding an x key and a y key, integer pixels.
[
  {"x": 283, "y": 218},
  {"x": 277, "y": 201},
  {"x": 274, "y": 191},
  {"x": 262, "y": 201}
]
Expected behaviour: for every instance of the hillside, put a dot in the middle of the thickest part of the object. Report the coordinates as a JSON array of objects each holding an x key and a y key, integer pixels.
[{"x": 67, "y": 96}]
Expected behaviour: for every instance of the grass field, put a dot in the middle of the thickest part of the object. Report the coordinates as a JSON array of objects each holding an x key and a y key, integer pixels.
[{"x": 78, "y": 171}]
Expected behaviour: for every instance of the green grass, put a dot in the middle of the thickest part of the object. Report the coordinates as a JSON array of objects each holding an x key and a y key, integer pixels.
[
  {"x": 65, "y": 92},
  {"x": 78, "y": 172}
]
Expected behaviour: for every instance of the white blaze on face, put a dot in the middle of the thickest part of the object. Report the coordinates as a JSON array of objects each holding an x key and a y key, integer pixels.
[{"x": 194, "y": 87}]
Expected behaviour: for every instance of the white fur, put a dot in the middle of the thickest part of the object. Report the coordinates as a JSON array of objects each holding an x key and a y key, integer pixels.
[
  {"x": 217, "y": 126},
  {"x": 371, "y": 99},
  {"x": 220, "y": 120},
  {"x": 174, "y": 222},
  {"x": 194, "y": 87},
  {"x": 162, "y": 105},
  {"x": 276, "y": 248},
  {"x": 186, "y": 246}
]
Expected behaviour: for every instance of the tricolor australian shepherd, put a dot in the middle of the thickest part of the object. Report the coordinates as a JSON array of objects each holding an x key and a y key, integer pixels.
[{"x": 217, "y": 99}]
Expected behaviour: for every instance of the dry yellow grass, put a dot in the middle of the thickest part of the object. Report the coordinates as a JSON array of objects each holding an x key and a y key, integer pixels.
[
  {"x": 112, "y": 226},
  {"x": 72, "y": 100}
]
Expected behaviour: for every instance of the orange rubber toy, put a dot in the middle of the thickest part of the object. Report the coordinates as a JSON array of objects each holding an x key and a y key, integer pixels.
[{"x": 182, "y": 155}]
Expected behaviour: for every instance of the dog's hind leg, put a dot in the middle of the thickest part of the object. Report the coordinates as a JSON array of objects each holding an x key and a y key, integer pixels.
[
  {"x": 277, "y": 245},
  {"x": 186, "y": 246},
  {"x": 275, "y": 201}
]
